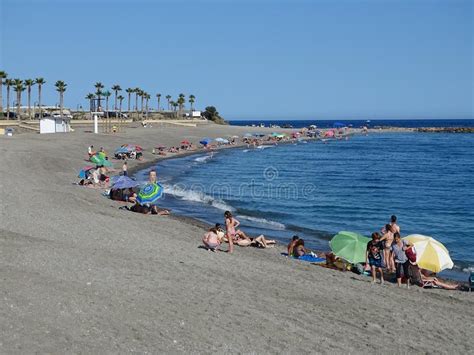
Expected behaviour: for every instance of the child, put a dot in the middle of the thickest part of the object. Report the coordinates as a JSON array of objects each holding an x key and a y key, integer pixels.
[{"x": 373, "y": 257}]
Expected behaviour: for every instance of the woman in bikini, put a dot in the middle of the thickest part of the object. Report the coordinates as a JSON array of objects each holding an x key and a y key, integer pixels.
[
  {"x": 232, "y": 233},
  {"x": 387, "y": 238}
]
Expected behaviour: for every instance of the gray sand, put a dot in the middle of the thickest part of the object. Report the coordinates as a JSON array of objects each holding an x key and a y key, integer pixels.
[{"x": 79, "y": 275}]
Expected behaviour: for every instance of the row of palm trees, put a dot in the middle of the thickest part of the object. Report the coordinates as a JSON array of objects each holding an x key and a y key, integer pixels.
[
  {"x": 19, "y": 86},
  {"x": 101, "y": 93}
]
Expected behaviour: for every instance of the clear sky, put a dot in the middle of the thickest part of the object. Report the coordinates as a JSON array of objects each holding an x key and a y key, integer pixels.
[{"x": 253, "y": 59}]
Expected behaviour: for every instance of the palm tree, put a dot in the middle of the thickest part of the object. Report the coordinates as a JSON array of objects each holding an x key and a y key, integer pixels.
[
  {"x": 8, "y": 83},
  {"x": 129, "y": 91},
  {"x": 99, "y": 86},
  {"x": 116, "y": 88},
  {"x": 3, "y": 75},
  {"x": 147, "y": 97},
  {"x": 175, "y": 105},
  {"x": 61, "y": 88},
  {"x": 181, "y": 101},
  {"x": 137, "y": 93},
  {"x": 29, "y": 83},
  {"x": 40, "y": 82},
  {"x": 106, "y": 94},
  {"x": 192, "y": 100},
  {"x": 142, "y": 97},
  {"x": 91, "y": 98},
  {"x": 120, "y": 99},
  {"x": 19, "y": 88},
  {"x": 158, "y": 96},
  {"x": 168, "y": 97}
]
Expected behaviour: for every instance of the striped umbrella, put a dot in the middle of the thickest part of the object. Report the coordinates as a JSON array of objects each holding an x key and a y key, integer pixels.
[
  {"x": 150, "y": 194},
  {"x": 430, "y": 254}
]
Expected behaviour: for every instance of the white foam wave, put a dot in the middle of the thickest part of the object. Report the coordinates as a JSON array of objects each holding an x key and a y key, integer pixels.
[
  {"x": 245, "y": 150},
  {"x": 264, "y": 222},
  {"x": 197, "y": 196},
  {"x": 468, "y": 269},
  {"x": 264, "y": 146},
  {"x": 204, "y": 158}
]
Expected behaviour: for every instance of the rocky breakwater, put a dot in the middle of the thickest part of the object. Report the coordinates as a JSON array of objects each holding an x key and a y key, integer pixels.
[{"x": 446, "y": 129}]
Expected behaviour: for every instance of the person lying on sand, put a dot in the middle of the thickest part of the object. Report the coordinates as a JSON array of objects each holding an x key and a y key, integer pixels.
[
  {"x": 211, "y": 240},
  {"x": 259, "y": 242},
  {"x": 149, "y": 209}
]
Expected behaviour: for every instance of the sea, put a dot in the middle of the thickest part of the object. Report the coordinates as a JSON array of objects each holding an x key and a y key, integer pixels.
[{"x": 315, "y": 189}]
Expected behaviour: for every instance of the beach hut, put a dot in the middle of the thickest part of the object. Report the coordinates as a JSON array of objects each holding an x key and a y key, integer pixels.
[{"x": 55, "y": 124}]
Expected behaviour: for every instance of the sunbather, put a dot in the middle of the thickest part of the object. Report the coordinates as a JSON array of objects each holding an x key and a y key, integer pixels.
[{"x": 425, "y": 278}]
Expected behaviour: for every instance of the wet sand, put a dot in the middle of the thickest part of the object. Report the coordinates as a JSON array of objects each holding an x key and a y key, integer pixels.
[{"x": 81, "y": 276}]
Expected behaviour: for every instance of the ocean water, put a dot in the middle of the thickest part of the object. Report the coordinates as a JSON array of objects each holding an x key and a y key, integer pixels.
[
  {"x": 316, "y": 189},
  {"x": 359, "y": 123}
]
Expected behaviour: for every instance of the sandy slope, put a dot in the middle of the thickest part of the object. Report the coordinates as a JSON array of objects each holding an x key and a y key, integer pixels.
[{"x": 79, "y": 275}]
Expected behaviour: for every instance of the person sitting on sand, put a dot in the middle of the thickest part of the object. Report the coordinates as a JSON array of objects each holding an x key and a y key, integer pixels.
[
  {"x": 211, "y": 240},
  {"x": 387, "y": 238},
  {"x": 298, "y": 248},
  {"x": 291, "y": 245},
  {"x": 374, "y": 258}
]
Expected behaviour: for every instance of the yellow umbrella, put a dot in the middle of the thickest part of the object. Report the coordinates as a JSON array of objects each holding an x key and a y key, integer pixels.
[{"x": 430, "y": 254}]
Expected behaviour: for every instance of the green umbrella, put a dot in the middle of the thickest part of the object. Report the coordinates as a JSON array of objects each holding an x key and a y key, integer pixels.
[
  {"x": 349, "y": 246},
  {"x": 99, "y": 160}
]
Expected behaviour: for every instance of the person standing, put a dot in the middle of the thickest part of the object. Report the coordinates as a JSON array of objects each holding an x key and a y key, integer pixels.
[
  {"x": 125, "y": 169},
  {"x": 387, "y": 239},
  {"x": 373, "y": 257},
  {"x": 400, "y": 258}
]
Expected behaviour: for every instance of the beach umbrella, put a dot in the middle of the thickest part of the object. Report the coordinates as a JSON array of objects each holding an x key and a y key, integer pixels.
[
  {"x": 185, "y": 142},
  {"x": 124, "y": 182},
  {"x": 274, "y": 134},
  {"x": 122, "y": 150},
  {"x": 430, "y": 253},
  {"x": 248, "y": 135},
  {"x": 221, "y": 140},
  {"x": 205, "y": 141},
  {"x": 98, "y": 160},
  {"x": 149, "y": 194},
  {"x": 349, "y": 246}
]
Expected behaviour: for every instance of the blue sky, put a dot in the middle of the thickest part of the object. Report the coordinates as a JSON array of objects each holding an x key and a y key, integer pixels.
[{"x": 254, "y": 59}]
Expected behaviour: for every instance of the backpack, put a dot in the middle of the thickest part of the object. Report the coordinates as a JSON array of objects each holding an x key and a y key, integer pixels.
[{"x": 411, "y": 254}]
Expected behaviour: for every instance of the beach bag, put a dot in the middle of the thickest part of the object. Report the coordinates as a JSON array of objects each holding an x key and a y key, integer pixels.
[{"x": 411, "y": 254}]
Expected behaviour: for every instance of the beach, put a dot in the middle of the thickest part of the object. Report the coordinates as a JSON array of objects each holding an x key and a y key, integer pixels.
[{"x": 81, "y": 276}]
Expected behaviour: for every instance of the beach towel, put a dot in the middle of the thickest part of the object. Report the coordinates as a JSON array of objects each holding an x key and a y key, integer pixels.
[{"x": 308, "y": 258}]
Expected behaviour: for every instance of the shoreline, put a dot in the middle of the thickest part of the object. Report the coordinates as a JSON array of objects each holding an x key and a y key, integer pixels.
[
  {"x": 80, "y": 275},
  {"x": 457, "y": 275}
]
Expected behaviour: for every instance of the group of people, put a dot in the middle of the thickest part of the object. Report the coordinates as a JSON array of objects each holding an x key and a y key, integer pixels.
[
  {"x": 216, "y": 236},
  {"x": 387, "y": 250}
]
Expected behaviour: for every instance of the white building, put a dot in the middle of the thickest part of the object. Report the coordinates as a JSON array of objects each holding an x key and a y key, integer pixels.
[{"x": 55, "y": 125}]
